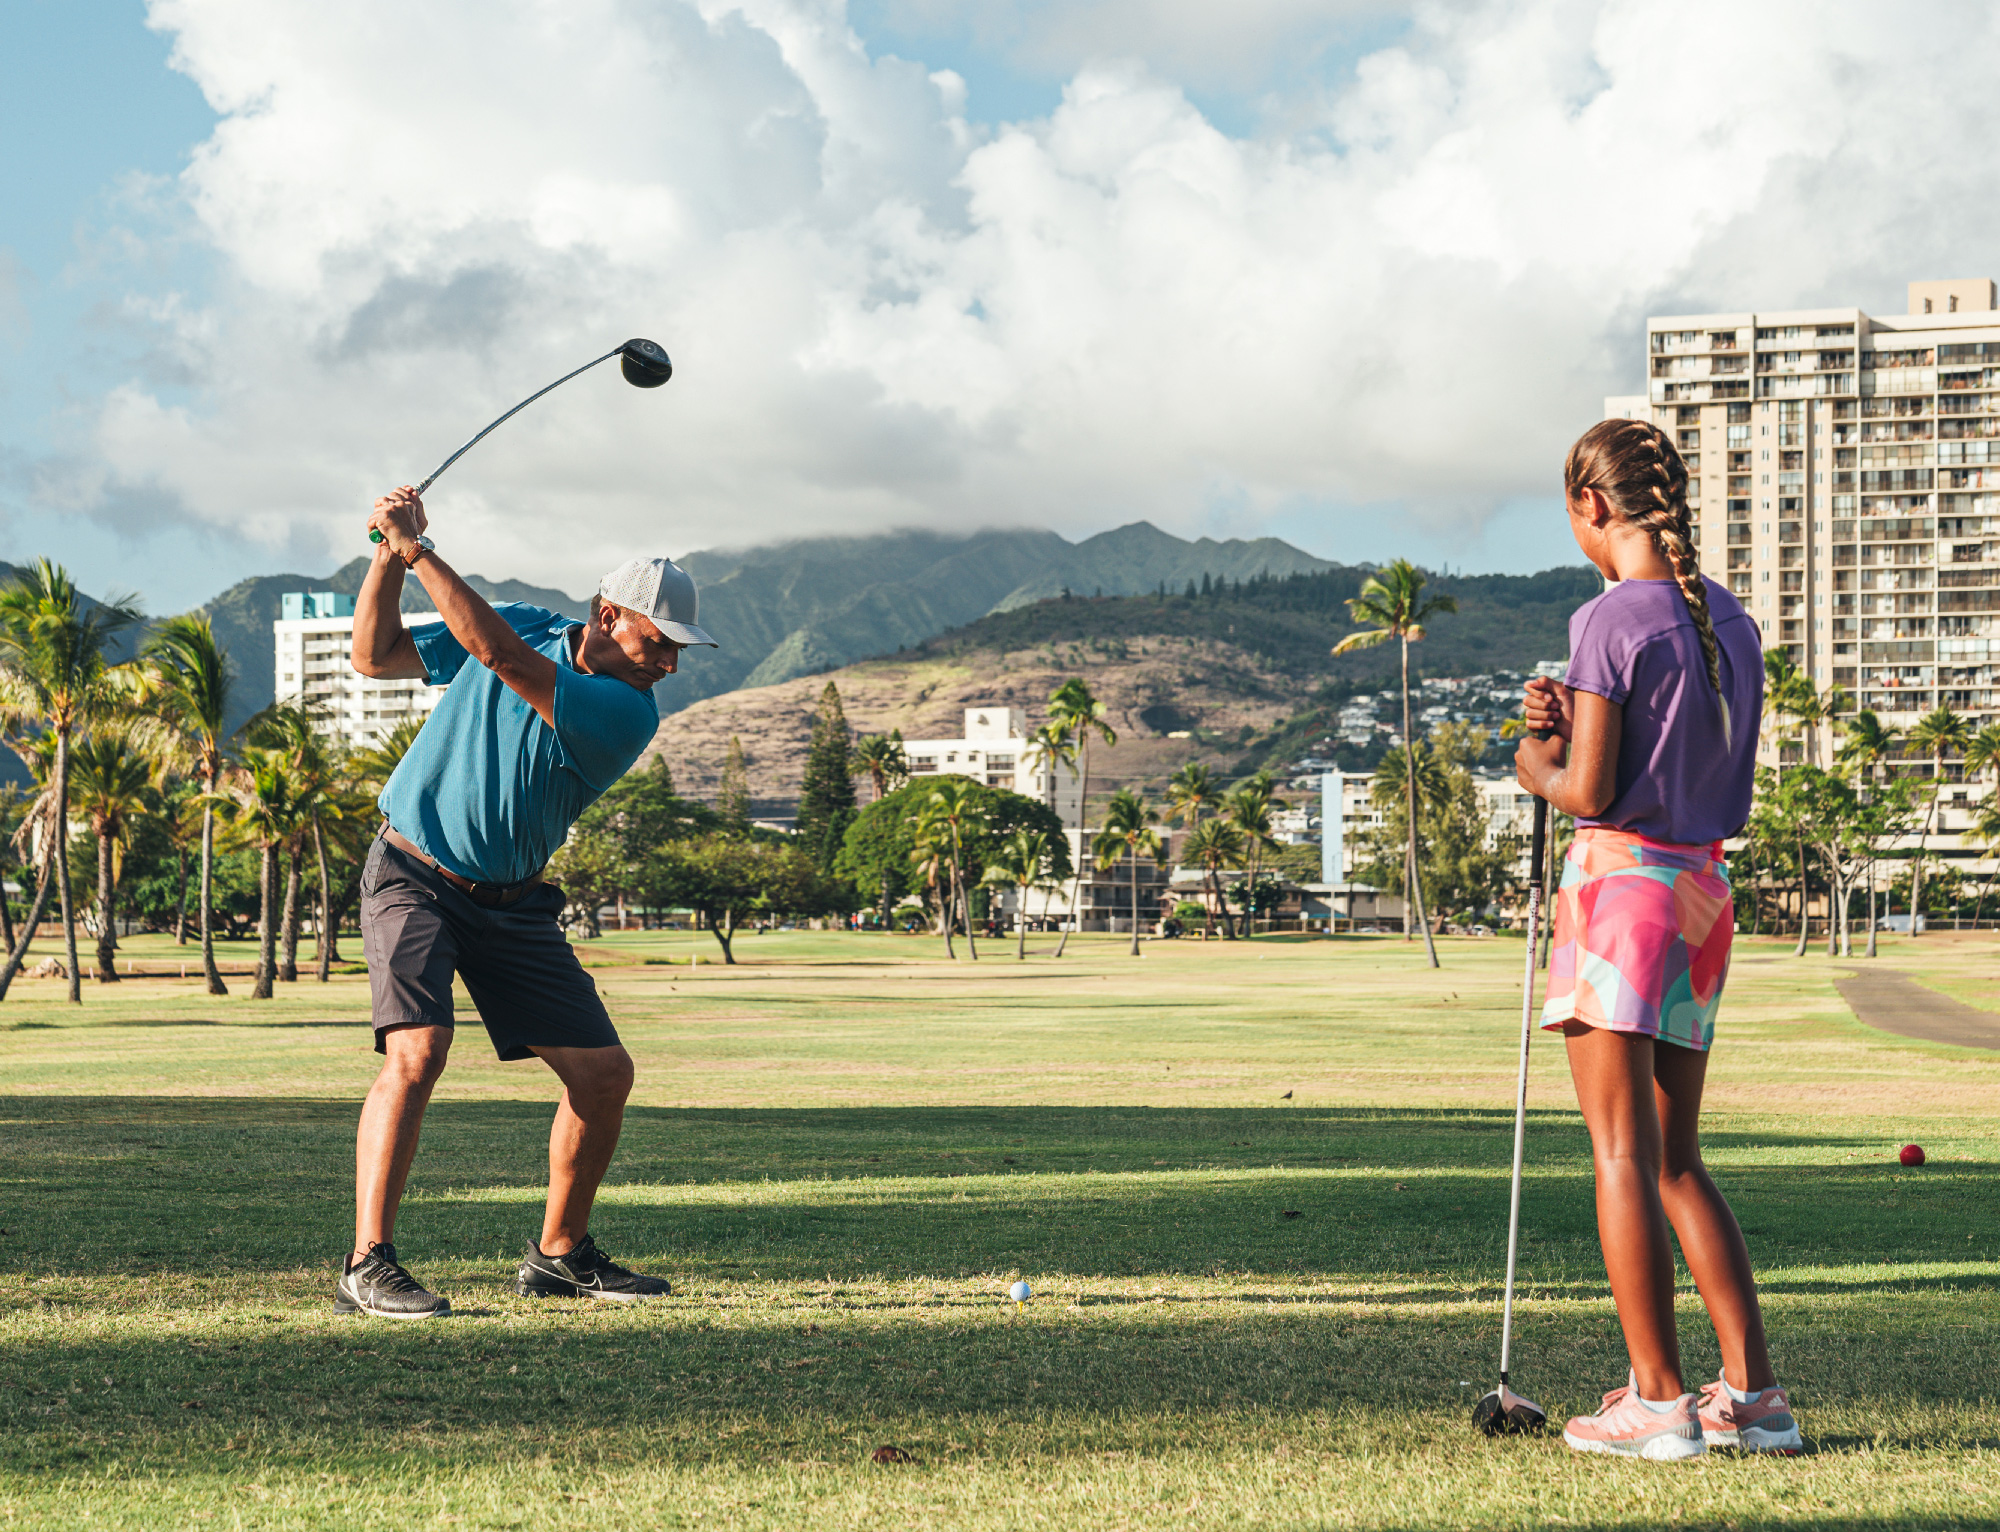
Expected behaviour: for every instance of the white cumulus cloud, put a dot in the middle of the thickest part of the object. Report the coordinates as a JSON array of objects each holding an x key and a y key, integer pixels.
[{"x": 1414, "y": 293}]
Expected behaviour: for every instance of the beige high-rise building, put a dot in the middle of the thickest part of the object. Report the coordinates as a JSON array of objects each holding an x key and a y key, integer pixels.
[{"x": 1841, "y": 487}]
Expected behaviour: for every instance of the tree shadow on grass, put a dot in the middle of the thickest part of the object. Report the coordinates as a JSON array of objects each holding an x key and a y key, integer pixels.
[{"x": 189, "y": 1183}]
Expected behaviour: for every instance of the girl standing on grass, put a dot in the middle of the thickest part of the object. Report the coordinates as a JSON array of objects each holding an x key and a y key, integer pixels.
[{"x": 1654, "y": 752}]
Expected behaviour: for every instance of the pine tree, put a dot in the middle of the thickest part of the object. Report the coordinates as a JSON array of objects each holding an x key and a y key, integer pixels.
[
  {"x": 733, "y": 802},
  {"x": 826, "y": 797}
]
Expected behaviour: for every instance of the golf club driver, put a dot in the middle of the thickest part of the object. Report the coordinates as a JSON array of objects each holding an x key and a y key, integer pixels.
[
  {"x": 644, "y": 363},
  {"x": 1504, "y": 1412}
]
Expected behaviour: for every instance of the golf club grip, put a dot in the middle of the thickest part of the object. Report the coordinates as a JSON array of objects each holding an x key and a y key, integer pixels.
[{"x": 1539, "y": 845}]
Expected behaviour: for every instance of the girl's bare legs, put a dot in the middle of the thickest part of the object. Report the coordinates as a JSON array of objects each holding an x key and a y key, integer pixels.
[{"x": 1642, "y": 1103}]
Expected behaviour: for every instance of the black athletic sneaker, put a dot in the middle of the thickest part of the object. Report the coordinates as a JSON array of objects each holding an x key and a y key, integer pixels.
[
  {"x": 378, "y": 1285},
  {"x": 585, "y": 1272}
]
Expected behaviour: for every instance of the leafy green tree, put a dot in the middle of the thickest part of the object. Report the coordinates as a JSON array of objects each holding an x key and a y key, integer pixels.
[
  {"x": 188, "y": 688},
  {"x": 321, "y": 794},
  {"x": 55, "y": 670},
  {"x": 1213, "y": 845},
  {"x": 826, "y": 797},
  {"x": 112, "y": 782},
  {"x": 727, "y": 877},
  {"x": 1939, "y": 733},
  {"x": 1392, "y": 600},
  {"x": 1129, "y": 833},
  {"x": 1077, "y": 714},
  {"x": 876, "y": 853}
]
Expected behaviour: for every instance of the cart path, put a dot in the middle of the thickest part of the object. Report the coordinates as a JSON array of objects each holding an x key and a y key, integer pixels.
[{"x": 1894, "y": 1002}]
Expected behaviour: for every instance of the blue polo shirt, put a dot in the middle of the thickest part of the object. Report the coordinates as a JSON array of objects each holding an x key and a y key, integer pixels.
[{"x": 490, "y": 791}]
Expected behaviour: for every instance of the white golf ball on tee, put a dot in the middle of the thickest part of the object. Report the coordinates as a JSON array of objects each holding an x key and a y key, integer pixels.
[{"x": 1020, "y": 1292}]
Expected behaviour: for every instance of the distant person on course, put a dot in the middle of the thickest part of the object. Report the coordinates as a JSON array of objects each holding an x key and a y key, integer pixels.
[
  {"x": 541, "y": 715},
  {"x": 1654, "y": 754}
]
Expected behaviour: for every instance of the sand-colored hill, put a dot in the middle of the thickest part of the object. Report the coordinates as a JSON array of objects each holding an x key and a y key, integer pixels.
[{"x": 1152, "y": 686}]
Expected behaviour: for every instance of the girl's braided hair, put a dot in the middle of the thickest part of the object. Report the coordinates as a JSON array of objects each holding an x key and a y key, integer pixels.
[{"x": 1637, "y": 469}]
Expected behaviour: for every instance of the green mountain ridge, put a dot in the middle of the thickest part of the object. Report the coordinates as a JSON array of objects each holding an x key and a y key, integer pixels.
[{"x": 802, "y": 607}]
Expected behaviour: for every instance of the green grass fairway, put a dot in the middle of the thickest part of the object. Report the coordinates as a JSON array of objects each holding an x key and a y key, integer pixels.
[{"x": 1249, "y": 1311}]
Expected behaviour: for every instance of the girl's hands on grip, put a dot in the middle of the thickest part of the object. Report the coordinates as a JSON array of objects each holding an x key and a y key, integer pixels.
[{"x": 1550, "y": 708}]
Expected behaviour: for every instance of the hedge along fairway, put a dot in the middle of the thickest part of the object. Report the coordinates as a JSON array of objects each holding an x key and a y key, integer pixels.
[{"x": 1248, "y": 1311}]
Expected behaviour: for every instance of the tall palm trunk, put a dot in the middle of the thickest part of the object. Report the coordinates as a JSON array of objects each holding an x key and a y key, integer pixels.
[
  {"x": 1414, "y": 886},
  {"x": 61, "y": 831},
  {"x": 181, "y": 907},
  {"x": 107, "y": 928},
  {"x": 267, "y": 925},
  {"x": 1021, "y": 922},
  {"x": 325, "y": 908},
  {"x": 1805, "y": 924},
  {"x": 1082, "y": 838},
  {"x": 35, "y": 913},
  {"x": 215, "y": 984},
  {"x": 1135, "y": 904},
  {"x": 1917, "y": 867},
  {"x": 1871, "y": 905},
  {"x": 964, "y": 894},
  {"x": 288, "y": 961},
  {"x": 6, "y": 919}
]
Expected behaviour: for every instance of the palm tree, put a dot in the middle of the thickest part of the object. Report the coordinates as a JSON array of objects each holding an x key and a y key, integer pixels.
[
  {"x": 188, "y": 689},
  {"x": 112, "y": 783},
  {"x": 1248, "y": 810},
  {"x": 1193, "y": 791},
  {"x": 1022, "y": 861},
  {"x": 1213, "y": 845},
  {"x": 1938, "y": 732},
  {"x": 948, "y": 815},
  {"x": 1077, "y": 714},
  {"x": 314, "y": 767},
  {"x": 54, "y": 651},
  {"x": 33, "y": 835},
  {"x": 1393, "y": 600},
  {"x": 1986, "y": 830},
  {"x": 266, "y": 812},
  {"x": 880, "y": 758},
  {"x": 1129, "y": 832},
  {"x": 1869, "y": 743}
]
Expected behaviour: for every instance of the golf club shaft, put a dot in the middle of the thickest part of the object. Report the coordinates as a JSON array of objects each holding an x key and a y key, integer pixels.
[
  {"x": 1538, "y": 848},
  {"x": 376, "y": 537}
]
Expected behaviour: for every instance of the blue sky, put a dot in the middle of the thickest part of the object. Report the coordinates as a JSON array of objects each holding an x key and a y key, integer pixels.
[{"x": 1338, "y": 271}]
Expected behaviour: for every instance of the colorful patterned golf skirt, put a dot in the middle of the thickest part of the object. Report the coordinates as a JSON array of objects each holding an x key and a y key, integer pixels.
[{"x": 1642, "y": 933}]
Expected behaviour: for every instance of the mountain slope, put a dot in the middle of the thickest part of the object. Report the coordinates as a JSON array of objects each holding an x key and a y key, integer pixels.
[
  {"x": 1245, "y": 674},
  {"x": 806, "y": 606}
]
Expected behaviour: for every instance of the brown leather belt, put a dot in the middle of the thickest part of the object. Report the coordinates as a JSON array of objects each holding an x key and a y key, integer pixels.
[{"x": 486, "y": 895}]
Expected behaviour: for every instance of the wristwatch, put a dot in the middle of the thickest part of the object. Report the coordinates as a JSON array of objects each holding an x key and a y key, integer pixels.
[{"x": 424, "y": 545}]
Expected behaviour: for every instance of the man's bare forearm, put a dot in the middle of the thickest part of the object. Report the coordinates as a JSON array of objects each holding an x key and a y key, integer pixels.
[
  {"x": 486, "y": 636},
  {"x": 382, "y": 646}
]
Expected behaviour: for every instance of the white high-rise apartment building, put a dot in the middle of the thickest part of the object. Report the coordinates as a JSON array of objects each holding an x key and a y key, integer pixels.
[
  {"x": 1841, "y": 486},
  {"x": 312, "y": 637}
]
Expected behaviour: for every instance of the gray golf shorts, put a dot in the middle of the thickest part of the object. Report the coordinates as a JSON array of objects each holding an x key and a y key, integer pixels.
[{"x": 520, "y": 970}]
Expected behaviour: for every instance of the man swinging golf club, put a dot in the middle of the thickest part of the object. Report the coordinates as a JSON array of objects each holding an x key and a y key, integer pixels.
[{"x": 541, "y": 715}]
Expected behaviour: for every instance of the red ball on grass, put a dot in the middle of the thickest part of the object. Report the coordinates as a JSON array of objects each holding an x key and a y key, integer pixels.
[{"x": 1913, "y": 1154}]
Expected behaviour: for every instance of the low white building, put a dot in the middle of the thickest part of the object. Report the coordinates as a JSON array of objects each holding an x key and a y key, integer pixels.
[
  {"x": 312, "y": 638},
  {"x": 994, "y": 750}
]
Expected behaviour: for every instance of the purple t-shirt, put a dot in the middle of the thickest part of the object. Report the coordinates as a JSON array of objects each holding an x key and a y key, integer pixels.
[{"x": 1636, "y": 645}]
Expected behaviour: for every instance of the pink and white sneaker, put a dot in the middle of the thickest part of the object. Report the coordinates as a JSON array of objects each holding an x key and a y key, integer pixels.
[
  {"x": 1765, "y": 1424},
  {"x": 1629, "y": 1429}
]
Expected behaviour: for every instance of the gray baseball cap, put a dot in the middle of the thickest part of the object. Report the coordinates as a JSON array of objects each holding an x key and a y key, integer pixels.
[{"x": 661, "y": 590}]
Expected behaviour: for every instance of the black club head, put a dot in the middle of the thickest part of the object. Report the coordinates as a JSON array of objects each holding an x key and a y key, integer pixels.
[
  {"x": 644, "y": 363},
  {"x": 1505, "y": 1413}
]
